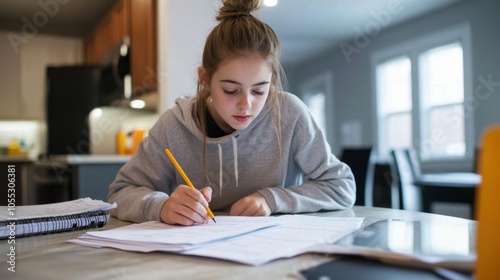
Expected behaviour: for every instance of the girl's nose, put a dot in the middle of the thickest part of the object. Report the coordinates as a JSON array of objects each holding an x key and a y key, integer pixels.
[{"x": 245, "y": 101}]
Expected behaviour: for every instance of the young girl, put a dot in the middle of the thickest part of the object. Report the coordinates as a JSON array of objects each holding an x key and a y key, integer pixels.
[{"x": 256, "y": 148}]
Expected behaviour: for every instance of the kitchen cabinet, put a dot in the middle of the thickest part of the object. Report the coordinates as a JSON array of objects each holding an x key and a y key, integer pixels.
[
  {"x": 91, "y": 175},
  {"x": 93, "y": 179},
  {"x": 64, "y": 177},
  {"x": 21, "y": 188},
  {"x": 9, "y": 79},
  {"x": 34, "y": 58},
  {"x": 135, "y": 19},
  {"x": 110, "y": 31},
  {"x": 143, "y": 46},
  {"x": 22, "y": 86}
]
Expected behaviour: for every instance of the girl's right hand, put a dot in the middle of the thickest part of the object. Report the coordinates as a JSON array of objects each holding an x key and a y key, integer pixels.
[{"x": 186, "y": 206}]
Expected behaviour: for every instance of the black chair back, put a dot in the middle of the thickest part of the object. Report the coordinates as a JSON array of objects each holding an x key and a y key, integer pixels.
[
  {"x": 404, "y": 192},
  {"x": 414, "y": 162},
  {"x": 360, "y": 160}
]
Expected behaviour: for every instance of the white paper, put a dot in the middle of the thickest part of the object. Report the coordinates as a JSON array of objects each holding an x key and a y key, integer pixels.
[
  {"x": 158, "y": 236},
  {"x": 248, "y": 240},
  {"x": 296, "y": 235}
]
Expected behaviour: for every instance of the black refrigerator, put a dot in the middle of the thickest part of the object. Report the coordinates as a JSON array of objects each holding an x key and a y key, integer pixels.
[{"x": 72, "y": 93}]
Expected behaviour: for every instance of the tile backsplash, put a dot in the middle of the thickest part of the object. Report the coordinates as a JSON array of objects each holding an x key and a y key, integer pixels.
[
  {"x": 106, "y": 122},
  {"x": 31, "y": 135}
]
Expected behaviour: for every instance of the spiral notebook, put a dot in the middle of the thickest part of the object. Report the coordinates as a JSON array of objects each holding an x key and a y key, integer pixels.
[{"x": 83, "y": 213}]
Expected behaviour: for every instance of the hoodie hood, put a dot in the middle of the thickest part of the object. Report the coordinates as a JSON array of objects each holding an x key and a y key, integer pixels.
[{"x": 185, "y": 112}]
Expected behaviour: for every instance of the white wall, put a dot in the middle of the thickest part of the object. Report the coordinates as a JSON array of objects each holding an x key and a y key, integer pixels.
[
  {"x": 353, "y": 85},
  {"x": 182, "y": 29}
]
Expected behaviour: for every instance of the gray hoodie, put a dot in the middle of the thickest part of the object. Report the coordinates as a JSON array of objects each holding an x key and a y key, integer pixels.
[{"x": 302, "y": 176}]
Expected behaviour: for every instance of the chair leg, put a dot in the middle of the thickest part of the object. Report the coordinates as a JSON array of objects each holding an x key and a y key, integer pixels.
[{"x": 426, "y": 202}]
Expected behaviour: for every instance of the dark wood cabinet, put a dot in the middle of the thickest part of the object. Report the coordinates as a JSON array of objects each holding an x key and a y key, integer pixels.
[
  {"x": 17, "y": 183},
  {"x": 143, "y": 46},
  {"x": 137, "y": 20}
]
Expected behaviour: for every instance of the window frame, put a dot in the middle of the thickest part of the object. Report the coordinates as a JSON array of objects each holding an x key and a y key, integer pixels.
[{"x": 413, "y": 48}]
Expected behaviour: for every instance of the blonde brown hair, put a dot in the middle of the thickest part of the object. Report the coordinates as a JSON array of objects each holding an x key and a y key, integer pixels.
[{"x": 240, "y": 34}]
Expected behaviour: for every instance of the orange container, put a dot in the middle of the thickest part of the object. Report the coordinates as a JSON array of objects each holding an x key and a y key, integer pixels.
[
  {"x": 137, "y": 136},
  {"x": 121, "y": 142}
]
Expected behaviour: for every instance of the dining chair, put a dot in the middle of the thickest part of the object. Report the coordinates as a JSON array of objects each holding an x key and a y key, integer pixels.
[
  {"x": 448, "y": 187},
  {"x": 405, "y": 195},
  {"x": 488, "y": 243},
  {"x": 361, "y": 162},
  {"x": 414, "y": 162}
]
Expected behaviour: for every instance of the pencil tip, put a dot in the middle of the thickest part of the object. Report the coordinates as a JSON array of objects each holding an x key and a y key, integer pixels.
[{"x": 214, "y": 220}]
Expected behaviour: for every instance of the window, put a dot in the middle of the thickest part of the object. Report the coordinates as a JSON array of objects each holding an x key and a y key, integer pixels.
[
  {"x": 442, "y": 94},
  {"x": 317, "y": 95},
  {"x": 316, "y": 104},
  {"x": 420, "y": 88},
  {"x": 394, "y": 89}
]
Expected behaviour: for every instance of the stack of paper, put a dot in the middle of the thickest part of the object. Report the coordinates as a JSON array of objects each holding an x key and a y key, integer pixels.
[
  {"x": 158, "y": 236},
  {"x": 297, "y": 234},
  {"x": 248, "y": 240}
]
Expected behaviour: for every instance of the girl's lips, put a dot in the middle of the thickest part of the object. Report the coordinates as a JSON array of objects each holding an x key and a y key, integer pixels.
[{"x": 242, "y": 118}]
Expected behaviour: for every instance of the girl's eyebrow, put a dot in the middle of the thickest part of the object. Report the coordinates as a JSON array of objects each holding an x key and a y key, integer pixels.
[{"x": 237, "y": 83}]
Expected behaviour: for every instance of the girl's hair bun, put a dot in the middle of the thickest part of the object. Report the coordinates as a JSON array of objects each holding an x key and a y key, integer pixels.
[{"x": 237, "y": 8}]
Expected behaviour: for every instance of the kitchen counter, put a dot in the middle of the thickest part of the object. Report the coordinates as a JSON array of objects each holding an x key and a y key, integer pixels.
[
  {"x": 83, "y": 175},
  {"x": 92, "y": 174},
  {"x": 92, "y": 159},
  {"x": 15, "y": 159},
  {"x": 60, "y": 177}
]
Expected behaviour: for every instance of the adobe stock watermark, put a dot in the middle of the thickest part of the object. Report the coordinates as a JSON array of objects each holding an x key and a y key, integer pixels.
[
  {"x": 11, "y": 220},
  {"x": 31, "y": 26},
  {"x": 482, "y": 92},
  {"x": 363, "y": 37}
]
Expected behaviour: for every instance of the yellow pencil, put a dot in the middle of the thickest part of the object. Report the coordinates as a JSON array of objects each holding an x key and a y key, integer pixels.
[{"x": 185, "y": 177}]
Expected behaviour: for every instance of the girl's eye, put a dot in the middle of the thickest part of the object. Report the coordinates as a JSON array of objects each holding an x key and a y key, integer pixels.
[
  {"x": 258, "y": 92},
  {"x": 230, "y": 91}
]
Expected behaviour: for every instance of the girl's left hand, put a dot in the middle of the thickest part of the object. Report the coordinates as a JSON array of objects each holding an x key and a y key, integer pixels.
[{"x": 251, "y": 205}]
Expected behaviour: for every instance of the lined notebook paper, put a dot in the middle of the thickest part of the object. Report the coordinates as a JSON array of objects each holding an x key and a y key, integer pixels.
[{"x": 29, "y": 220}]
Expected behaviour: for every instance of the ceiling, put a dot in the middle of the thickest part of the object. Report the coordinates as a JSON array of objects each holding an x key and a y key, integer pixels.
[
  {"x": 73, "y": 18},
  {"x": 305, "y": 27}
]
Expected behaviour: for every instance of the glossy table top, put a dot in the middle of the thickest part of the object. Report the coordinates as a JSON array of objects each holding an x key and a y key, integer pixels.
[{"x": 51, "y": 257}]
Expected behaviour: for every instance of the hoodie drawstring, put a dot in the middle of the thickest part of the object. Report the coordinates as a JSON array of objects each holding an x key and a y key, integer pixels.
[
  {"x": 220, "y": 170},
  {"x": 235, "y": 159}
]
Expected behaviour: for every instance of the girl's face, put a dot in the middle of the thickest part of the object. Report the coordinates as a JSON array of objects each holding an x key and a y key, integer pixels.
[{"x": 238, "y": 92}]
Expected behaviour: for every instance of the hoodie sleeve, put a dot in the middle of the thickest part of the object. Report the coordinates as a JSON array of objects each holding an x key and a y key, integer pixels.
[
  {"x": 328, "y": 183},
  {"x": 141, "y": 186}
]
